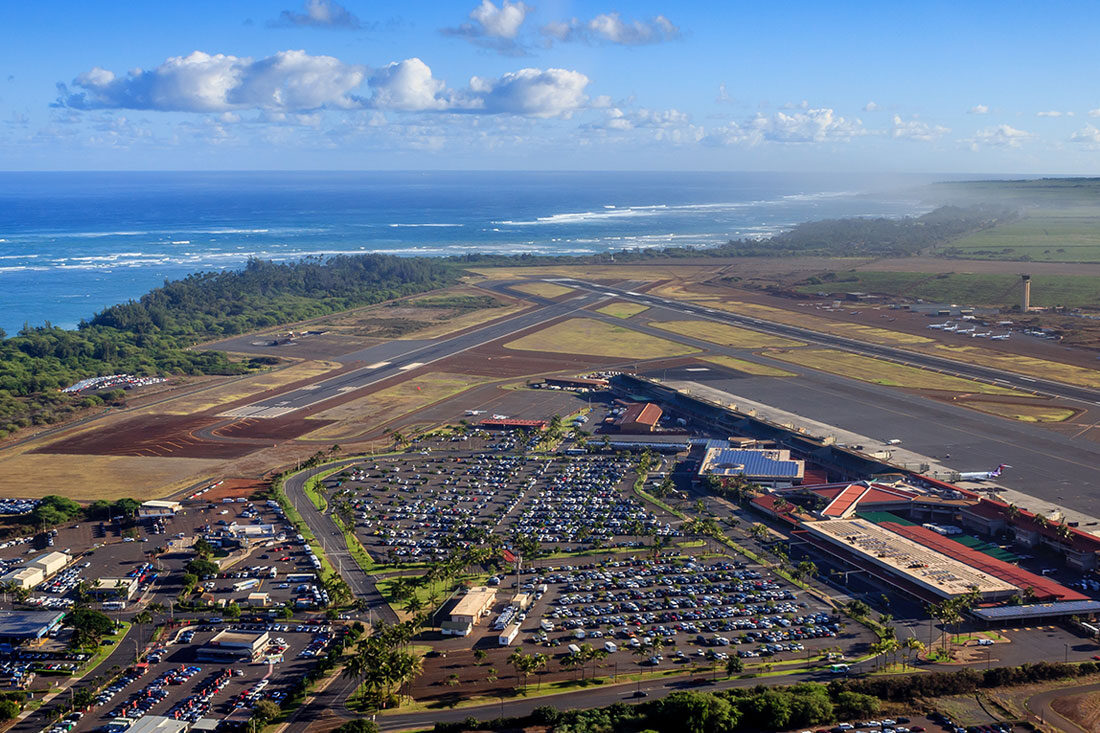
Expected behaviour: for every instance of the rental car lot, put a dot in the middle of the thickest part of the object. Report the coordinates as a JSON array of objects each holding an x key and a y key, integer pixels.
[{"x": 174, "y": 683}]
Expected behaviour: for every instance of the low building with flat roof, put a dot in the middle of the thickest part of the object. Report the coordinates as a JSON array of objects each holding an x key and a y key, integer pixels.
[
  {"x": 25, "y": 578},
  {"x": 159, "y": 508},
  {"x": 942, "y": 575},
  {"x": 51, "y": 563},
  {"x": 19, "y": 627},
  {"x": 233, "y": 646},
  {"x": 114, "y": 588},
  {"x": 772, "y": 467},
  {"x": 477, "y": 602},
  {"x": 159, "y": 724}
]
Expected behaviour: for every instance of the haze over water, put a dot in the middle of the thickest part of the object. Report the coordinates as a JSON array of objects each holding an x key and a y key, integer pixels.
[{"x": 74, "y": 243}]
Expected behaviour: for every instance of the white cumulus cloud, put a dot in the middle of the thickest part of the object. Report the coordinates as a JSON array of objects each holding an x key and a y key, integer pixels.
[
  {"x": 917, "y": 130},
  {"x": 978, "y": 109},
  {"x": 201, "y": 82},
  {"x": 319, "y": 14},
  {"x": 1094, "y": 113},
  {"x": 1088, "y": 136},
  {"x": 295, "y": 82},
  {"x": 871, "y": 106},
  {"x": 1050, "y": 113},
  {"x": 528, "y": 92},
  {"x": 808, "y": 126},
  {"x": 1001, "y": 136},
  {"x": 494, "y": 27},
  {"x": 612, "y": 28},
  {"x": 409, "y": 86}
]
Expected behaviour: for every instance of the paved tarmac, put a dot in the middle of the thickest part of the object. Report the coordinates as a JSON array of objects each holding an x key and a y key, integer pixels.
[{"x": 393, "y": 358}]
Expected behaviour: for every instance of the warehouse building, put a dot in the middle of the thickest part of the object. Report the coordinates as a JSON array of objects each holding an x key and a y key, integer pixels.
[
  {"x": 159, "y": 724},
  {"x": 477, "y": 602},
  {"x": 513, "y": 424},
  {"x": 25, "y": 578},
  {"x": 51, "y": 563}
]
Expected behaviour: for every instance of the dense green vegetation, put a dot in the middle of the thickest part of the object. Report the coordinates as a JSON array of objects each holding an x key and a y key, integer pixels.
[
  {"x": 1070, "y": 291},
  {"x": 763, "y": 708},
  {"x": 153, "y": 335}
]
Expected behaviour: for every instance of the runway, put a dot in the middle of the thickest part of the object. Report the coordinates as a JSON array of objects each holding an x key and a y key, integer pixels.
[{"x": 396, "y": 357}]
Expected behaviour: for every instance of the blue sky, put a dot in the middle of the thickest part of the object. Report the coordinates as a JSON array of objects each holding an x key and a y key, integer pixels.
[{"x": 974, "y": 87}]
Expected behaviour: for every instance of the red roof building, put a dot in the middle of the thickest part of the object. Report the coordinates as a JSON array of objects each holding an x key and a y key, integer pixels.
[
  {"x": 640, "y": 418},
  {"x": 513, "y": 424}
]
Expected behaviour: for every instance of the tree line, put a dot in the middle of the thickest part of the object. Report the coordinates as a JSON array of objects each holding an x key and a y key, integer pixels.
[
  {"x": 154, "y": 334},
  {"x": 802, "y": 705}
]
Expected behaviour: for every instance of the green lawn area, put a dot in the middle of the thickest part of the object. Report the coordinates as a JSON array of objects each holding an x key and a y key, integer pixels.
[
  {"x": 1046, "y": 236},
  {"x": 976, "y": 289}
]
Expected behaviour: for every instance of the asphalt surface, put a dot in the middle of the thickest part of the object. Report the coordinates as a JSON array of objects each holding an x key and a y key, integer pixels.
[
  {"x": 391, "y": 359},
  {"x": 973, "y": 371},
  {"x": 1053, "y": 466},
  {"x": 325, "y": 529}
]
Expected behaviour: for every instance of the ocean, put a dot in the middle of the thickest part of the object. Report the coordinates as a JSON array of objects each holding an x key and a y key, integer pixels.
[{"x": 74, "y": 243}]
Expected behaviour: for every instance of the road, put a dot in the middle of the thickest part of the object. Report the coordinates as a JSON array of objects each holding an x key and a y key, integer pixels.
[
  {"x": 1040, "y": 707},
  {"x": 332, "y": 540}
]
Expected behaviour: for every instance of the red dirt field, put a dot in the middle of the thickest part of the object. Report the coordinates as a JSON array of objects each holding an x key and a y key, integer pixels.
[
  {"x": 151, "y": 435},
  {"x": 280, "y": 428},
  {"x": 233, "y": 488}
]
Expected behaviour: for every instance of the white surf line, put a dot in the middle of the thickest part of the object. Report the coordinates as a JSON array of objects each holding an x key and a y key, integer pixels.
[{"x": 318, "y": 385}]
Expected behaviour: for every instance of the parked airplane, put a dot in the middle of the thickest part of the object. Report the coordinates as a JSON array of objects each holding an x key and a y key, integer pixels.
[
  {"x": 475, "y": 412},
  {"x": 952, "y": 327},
  {"x": 983, "y": 475},
  {"x": 938, "y": 326},
  {"x": 983, "y": 335},
  {"x": 1002, "y": 337},
  {"x": 500, "y": 417},
  {"x": 966, "y": 330}
]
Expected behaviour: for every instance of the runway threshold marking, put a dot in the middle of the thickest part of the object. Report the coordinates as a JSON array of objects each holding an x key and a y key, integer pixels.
[
  {"x": 378, "y": 364},
  {"x": 413, "y": 365}
]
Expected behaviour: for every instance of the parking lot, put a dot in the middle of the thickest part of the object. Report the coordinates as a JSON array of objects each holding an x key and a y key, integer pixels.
[
  {"x": 419, "y": 507},
  {"x": 175, "y": 683}
]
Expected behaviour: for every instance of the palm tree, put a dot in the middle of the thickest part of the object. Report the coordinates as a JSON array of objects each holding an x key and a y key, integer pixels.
[
  {"x": 912, "y": 645},
  {"x": 758, "y": 531}
]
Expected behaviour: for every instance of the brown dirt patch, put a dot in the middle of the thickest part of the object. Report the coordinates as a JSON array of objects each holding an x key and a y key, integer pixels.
[
  {"x": 150, "y": 435},
  {"x": 276, "y": 429},
  {"x": 1084, "y": 710}
]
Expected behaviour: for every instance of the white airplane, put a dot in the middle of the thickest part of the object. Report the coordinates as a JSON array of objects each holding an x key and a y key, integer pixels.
[
  {"x": 983, "y": 475},
  {"x": 475, "y": 412},
  {"x": 966, "y": 330},
  {"x": 500, "y": 417},
  {"x": 1002, "y": 337},
  {"x": 951, "y": 327},
  {"x": 938, "y": 326},
  {"x": 977, "y": 335}
]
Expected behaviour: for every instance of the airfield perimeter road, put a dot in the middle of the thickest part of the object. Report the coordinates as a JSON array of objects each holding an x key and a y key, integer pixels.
[{"x": 397, "y": 357}]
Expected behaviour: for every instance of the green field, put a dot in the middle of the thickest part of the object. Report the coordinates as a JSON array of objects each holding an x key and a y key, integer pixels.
[
  {"x": 1047, "y": 236},
  {"x": 976, "y": 289}
]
